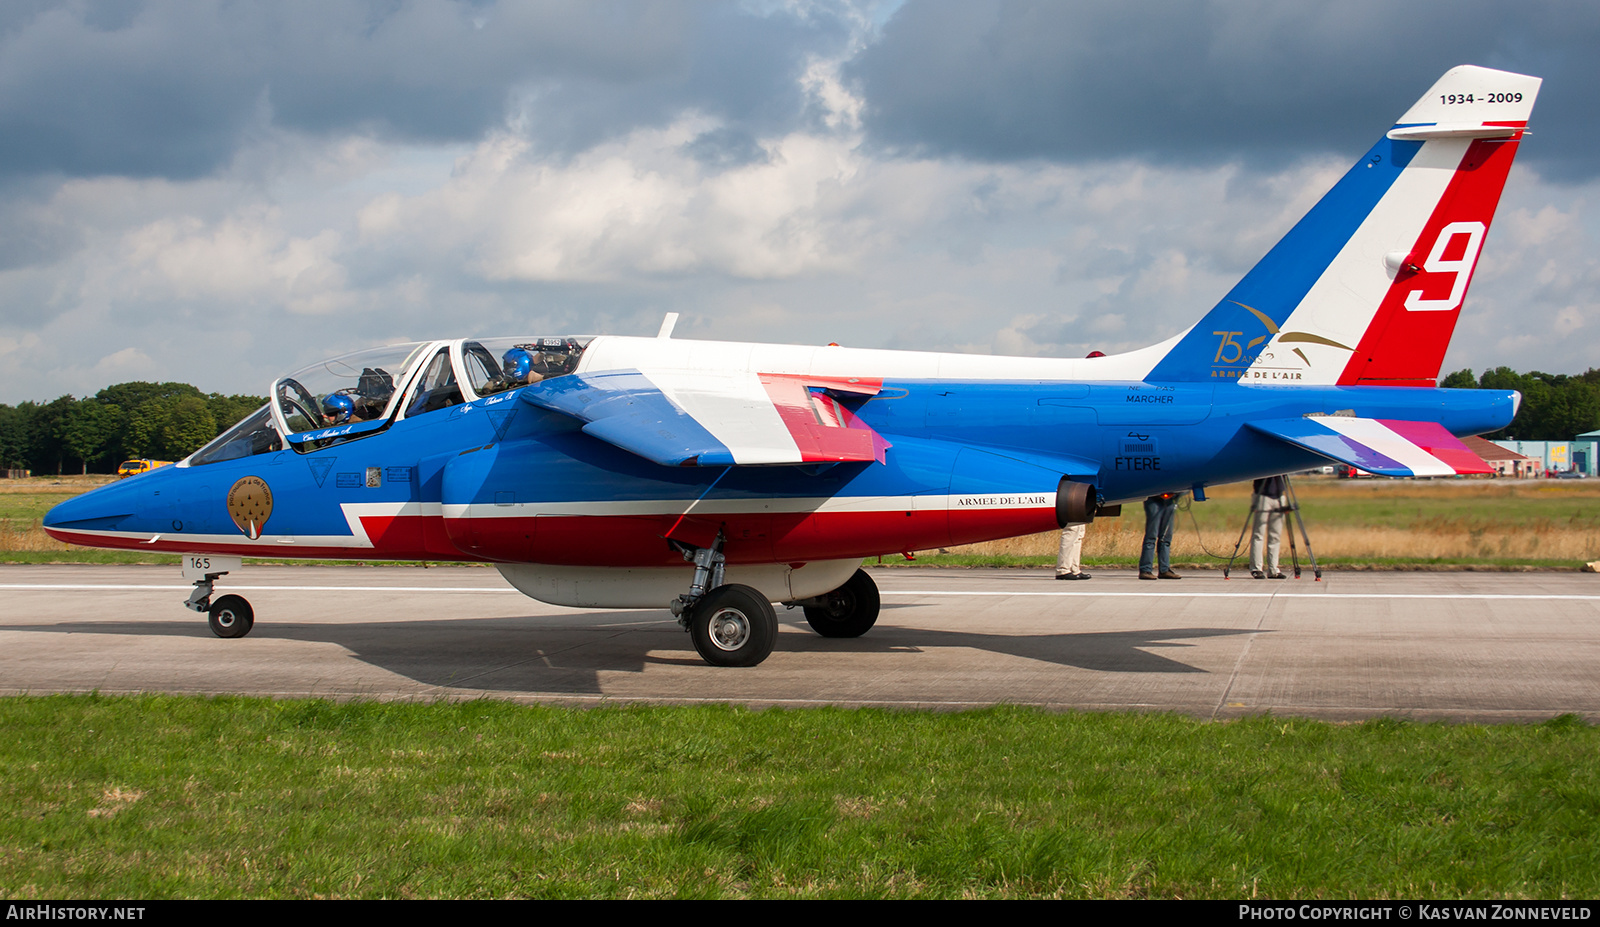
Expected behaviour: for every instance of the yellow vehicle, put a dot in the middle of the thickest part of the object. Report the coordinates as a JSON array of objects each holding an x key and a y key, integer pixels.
[{"x": 136, "y": 467}]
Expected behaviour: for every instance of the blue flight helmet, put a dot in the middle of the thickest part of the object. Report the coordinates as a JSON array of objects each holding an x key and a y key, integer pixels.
[
  {"x": 517, "y": 364},
  {"x": 338, "y": 407}
]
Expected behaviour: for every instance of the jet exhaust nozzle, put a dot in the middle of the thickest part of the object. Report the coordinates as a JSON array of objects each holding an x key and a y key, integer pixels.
[{"x": 1075, "y": 502}]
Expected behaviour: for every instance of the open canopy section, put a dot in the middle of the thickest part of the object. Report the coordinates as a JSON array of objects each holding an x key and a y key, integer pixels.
[
  {"x": 494, "y": 365},
  {"x": 344, "y": 397},
  {"x": 355, "y": 395},
  {"x": 359, "y": 387}
]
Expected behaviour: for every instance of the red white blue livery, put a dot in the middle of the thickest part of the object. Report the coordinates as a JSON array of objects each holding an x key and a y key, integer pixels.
[{"x": 717, "y": 478}]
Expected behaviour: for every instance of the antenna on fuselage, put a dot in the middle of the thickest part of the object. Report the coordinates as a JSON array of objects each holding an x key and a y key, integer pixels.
[{"x": 666, "y": 326}]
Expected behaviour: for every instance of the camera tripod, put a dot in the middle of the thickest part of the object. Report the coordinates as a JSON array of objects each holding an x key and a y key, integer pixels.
[{"x": 1291, "y": 512}]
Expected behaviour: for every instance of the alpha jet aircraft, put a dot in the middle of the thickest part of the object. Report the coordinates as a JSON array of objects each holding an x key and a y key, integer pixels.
[{"x": 718, "y": 478}]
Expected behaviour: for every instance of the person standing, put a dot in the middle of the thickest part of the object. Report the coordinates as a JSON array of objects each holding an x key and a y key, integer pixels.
[
  {"x": 1160, "y": 512},
  {"x": 1268, "y": 504},
  {"x": 1069, "y": 562}
]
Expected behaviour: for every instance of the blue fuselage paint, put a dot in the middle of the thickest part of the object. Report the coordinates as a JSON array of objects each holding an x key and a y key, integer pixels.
[{"x": 1129, "y": 440}]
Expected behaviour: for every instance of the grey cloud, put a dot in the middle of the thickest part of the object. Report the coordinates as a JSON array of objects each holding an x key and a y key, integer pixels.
[
  {"x": 1211, "y": 81},
  {"x": 725, "y": 148},
  {"x": 724, "y": 62},
  {"x": 30, "y": 232},
  {"x": 154, "y": 96},
  {"x": 172, "y": 90}
]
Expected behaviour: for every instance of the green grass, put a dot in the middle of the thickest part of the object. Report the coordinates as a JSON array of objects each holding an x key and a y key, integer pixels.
[
  {"x": 29, "y": 506},
  {"x": 157, "y": 797},
  {"x": 85, "y": 555}
]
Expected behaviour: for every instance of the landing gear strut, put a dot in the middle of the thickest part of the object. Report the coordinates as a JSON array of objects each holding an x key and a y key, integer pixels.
[
  {"x": 228, "y": 616},
  {"x": 730, "y": 625}
]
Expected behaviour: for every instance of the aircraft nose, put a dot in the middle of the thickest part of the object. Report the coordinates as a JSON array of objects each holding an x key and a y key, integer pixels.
[{"x": 97, "y": 508}]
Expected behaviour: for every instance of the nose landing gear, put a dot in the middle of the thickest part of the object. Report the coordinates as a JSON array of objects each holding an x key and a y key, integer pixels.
[{"x": 230, "y": 615}]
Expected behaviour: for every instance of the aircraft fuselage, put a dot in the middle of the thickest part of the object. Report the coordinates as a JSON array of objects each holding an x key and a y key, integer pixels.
[{"x": 501, "y": 480}]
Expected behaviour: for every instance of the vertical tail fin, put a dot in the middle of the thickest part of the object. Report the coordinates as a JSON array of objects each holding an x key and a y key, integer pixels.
[{"x": 1366, "y": 289}]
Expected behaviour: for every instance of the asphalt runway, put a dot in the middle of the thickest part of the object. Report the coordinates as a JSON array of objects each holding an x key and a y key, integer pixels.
[{"x": 1457, "y": 646}]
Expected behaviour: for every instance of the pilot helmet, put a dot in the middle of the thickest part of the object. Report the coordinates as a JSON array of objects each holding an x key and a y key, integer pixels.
[
  {"x": 517, "y": 364},
  {"x": 338, "y": 407}
]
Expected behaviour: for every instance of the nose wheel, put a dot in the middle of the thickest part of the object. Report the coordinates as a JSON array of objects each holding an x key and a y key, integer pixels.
[{"x": 229, "y": 616}]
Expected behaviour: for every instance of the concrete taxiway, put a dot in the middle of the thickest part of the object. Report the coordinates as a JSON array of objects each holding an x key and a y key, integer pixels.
[{"x": 1461, "y": 646}]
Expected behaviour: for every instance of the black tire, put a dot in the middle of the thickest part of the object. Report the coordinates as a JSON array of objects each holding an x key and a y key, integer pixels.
[
  {"x": 733, "y": 626},
  {"x": 848, "y": 611},
  {"x": 231, "y": 616}
]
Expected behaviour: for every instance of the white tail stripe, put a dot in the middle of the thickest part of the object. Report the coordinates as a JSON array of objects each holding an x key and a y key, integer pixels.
[
  {"x": 1341, "y": 305},
  {"x": 1382, "y": 439}
]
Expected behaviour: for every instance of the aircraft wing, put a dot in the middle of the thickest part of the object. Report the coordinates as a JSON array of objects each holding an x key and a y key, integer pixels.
[
  {"x": 1383, "y": 446},
  {"x": 687, "y": 419}
]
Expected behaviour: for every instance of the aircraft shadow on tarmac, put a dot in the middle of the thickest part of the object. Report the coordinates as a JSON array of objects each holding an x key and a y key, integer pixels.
[{"x": 567, "y": 654}]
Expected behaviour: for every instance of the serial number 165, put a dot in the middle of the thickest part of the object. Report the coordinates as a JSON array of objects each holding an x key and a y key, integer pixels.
[{"x": 197, "y": 566}]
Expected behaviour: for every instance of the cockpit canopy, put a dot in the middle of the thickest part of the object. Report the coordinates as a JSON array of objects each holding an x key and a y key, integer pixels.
[
  {"x": 354, "y": 395},
  {"x": 364, "y": 384}
]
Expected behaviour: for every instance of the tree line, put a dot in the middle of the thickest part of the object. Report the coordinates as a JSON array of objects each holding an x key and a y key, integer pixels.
[
  {"x": 1555, "y": 406},
  {"x": 165, "y": 421}
]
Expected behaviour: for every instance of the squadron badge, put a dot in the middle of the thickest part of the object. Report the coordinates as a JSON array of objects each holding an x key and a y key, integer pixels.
[{"x": 250, "y": 504}]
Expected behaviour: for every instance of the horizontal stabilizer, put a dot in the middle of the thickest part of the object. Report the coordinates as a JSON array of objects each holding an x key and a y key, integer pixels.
[
  {"x": 685, "y": 419},
  {"x": 1471, "y": 102},
  {"x": 1382, "y": 446}
]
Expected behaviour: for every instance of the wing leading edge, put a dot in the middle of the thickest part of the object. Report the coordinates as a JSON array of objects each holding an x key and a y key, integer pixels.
[
  {"x": 1386, "y": 447},
  {"x": 686, "y": 419}
]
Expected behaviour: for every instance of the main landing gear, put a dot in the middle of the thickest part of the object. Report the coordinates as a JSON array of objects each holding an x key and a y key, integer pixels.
[
  {"x": 848, "y": 611},
  {"x": 228, "y": 616},
  {"x": 730, "y": 625},
  {"x": 735, "y": 625}
]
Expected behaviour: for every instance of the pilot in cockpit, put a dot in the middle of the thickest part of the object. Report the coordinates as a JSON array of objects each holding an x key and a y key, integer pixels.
[
  {"x": 342, "y": 408},
  {"x": 363, "y": 402},
  {"x": 337, "y": 409},
  {"x": 523, "y": 364},
  {"x": 517, "y": 368}
]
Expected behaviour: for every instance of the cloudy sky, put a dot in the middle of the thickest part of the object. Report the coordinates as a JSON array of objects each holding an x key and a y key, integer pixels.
[{"x": 219, "y": 192}]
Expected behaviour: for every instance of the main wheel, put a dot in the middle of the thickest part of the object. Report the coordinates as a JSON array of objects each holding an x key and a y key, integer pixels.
[
  {"x": 848, "y": 611},
  {"x": 733, "y": 626},
  {"x": 231, "y": 616}
]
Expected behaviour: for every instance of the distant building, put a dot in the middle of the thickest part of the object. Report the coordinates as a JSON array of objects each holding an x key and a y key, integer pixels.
[
  {"x": 1503, "y": 460},
  {"x": 1586, "y": 453},
  {"x": 1555, "y": 456}
]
